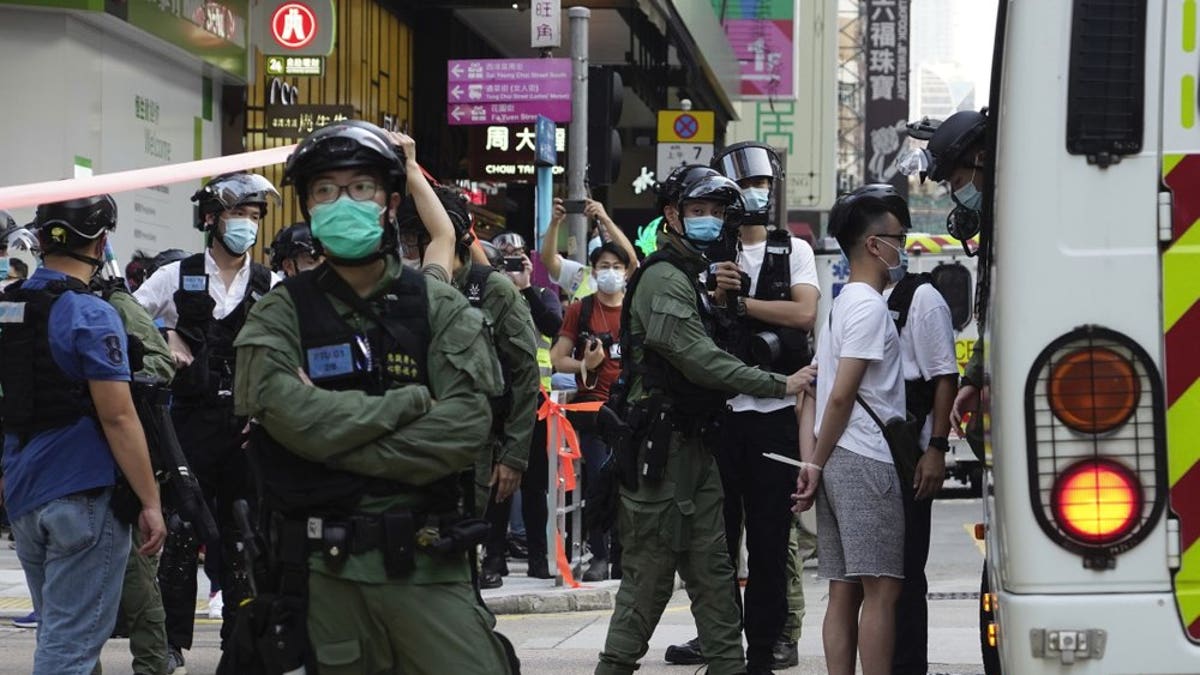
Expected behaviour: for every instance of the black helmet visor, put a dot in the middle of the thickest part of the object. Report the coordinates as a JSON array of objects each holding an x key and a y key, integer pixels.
[{"x": 747, "y": 162}]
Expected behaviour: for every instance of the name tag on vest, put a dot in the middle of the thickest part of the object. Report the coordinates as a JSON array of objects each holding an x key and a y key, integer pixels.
[
  {"x": 195, "y": 283},
  {"x": 12, "y": 312},
  {"x": 778, "y": 250},
  {"x": 330, "y": 361}
]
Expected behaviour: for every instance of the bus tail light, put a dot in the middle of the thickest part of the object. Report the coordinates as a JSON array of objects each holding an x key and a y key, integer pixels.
[{"x": 1096, "y": 444}]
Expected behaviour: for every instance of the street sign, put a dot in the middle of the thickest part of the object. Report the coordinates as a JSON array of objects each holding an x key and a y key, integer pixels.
[
  {"x": 508, "y": 91},
  {"x": 298, "y": 121},
  {"x": 521, "y": 112},
  {"x": 686, "y": 126},
  {"x": 674, "y": 155},
  {"x": 762, "y": 36},
  {"x": 545, "y": 153},
  {"x": 295, "y": 65},
  {"x": 545, "y": 24},
  {"x": 296, "y": 27}
]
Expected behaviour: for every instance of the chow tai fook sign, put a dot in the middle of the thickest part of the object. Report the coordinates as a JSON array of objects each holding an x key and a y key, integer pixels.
[
  {"x": 508, "y": 152},
  {"x": 297, "y": 27},
  {"x": 886, "y": 46}
]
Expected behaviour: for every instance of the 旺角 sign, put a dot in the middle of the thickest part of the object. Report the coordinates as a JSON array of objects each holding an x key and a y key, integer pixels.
[
  {"x": 297, "y": 121},
  {"x": 545, "y": 24},
  {"x": 508, "y": 91},
  {"x": 886, "y": 46}
]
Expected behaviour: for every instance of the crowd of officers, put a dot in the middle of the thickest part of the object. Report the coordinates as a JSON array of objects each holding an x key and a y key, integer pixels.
[{"x": 343, "y": 434}]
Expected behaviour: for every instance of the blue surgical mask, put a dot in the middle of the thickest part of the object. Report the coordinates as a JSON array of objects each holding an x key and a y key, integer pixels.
[
  {"x": 968, "y": 196},
  {"x": 593, "y": 244},
  {"x": 348, "y": 229},
  {"x": 703, "y": 229},
  {"x": 896, "y": 273},
  {"x": 610, "y": 280},
  {"x": 240, "y": 234},
  {"x": 756, "y": 198},
  {"x": 3, "y": 269}
]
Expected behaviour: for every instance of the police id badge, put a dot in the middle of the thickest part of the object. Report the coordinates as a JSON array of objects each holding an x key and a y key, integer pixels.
[
  {"x": 335, "y": 360},
  {"x": 195, "y": 283}
]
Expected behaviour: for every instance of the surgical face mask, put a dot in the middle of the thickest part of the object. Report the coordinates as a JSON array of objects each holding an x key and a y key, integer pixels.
[
  {"x": 240, "y": 234},
  {"x": 968, "y": 196},
  {"x": 3, "y": 269},
  {"x": 897, "y": 272},
  {"x": 610, "y": 280},
  {"x": 593, "y": 244},
  {"x": 348, "y": 229},
  {"x": 756, "y": 198},
  {"x": 703, "y": 229}
]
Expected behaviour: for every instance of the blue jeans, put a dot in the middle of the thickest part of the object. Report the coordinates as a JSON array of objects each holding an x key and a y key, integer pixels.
[{"x": 73, "y": 551}]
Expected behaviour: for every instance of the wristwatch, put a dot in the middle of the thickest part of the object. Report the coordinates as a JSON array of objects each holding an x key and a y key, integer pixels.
[
  {"x": 740, "y": 308},
  {"x": 940, "y": 442}
]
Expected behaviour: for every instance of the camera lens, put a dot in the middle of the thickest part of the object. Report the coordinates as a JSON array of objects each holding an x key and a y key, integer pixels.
[{"x": 765, "y": 348}]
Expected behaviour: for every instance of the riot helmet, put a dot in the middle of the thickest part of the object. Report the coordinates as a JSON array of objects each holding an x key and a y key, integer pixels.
[
  {"x": 494, "y": 256},
  {"x": 747, "y": 163},
  {"x": 950, "y": 145},
  {"x": 509, "y": 241},
  {"x": 7, "y": 225},
  {"x": 412, "y": 229},
  {"x": 229, "y": 191},
  {"x": 349, "y": 144},
  {"x": 290, "y": 242},
  {"x": 699, "y": 231},
  {"x": 23, "y": 253},
  {"x": 65, "y": 227},
  {"x": 668, "y": 190}
]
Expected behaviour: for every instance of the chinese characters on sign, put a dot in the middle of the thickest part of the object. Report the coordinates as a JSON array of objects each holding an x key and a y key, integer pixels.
[
  {"x": 297, "y": 121},
  {"x": 295, "y": 65},
  {"x": 499, "y": 153},
  {"x": 508, "y": 91},
  {"x": 886, "y": 46},
  {"x": 762, "y": 36},
  {"x": 545, "y": 24}
]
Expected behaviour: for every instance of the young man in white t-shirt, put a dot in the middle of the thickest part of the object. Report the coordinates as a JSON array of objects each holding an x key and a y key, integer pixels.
[
  {"x": 930, "y": 370},
  {"x": 860, "y": 512}
]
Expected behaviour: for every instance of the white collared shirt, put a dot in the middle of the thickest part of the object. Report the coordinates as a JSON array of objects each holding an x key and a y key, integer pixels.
[{"x": 157, "y": 294}]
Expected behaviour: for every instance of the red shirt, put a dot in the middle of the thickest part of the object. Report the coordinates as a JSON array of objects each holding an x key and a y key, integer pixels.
[{"x": 604, "y": 320}]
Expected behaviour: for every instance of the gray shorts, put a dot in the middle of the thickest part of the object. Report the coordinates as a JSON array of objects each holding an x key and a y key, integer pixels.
[{"x": 860, "y": 519}]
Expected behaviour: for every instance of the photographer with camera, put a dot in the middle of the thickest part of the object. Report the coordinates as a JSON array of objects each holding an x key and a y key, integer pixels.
[
  {"x": 589, "y": 346},
  {"x": 770, "y": 292}
]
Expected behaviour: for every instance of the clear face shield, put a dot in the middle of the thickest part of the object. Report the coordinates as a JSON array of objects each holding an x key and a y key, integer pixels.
[
  {"x": 753, "y": 163},
  {"x": 243, "y": 189}
]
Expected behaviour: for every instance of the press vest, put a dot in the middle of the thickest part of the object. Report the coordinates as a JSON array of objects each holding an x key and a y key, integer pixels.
[
  {"x": 38, "y": 395},
  {"x": 775, "y": 283}
]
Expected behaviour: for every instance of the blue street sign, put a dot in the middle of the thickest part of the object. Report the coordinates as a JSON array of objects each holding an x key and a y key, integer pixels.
[{"x": 544, "y": 153}]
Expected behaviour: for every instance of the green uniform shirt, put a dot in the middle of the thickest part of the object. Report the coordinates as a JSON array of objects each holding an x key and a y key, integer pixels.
[
  {"x": 401, "y": 436},
  {"x": 158, "y": 362},
  {"x": 516, "y": 343},
  {"x": 663, "y": 310}
]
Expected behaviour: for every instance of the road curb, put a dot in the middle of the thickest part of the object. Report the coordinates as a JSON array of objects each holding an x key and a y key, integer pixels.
[{"x": 547, "y": 603}]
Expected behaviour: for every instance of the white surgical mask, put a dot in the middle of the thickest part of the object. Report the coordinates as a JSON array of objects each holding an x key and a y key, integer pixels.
[{"x": 610, "y": 280}]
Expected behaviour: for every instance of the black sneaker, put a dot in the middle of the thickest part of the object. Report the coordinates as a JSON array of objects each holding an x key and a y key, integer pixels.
[
  {"x": 490, "y": 579},
  {"x": 498, "y": 566},
  {"x": 175, "y": 664},
  {"x": 784, "y": 654},
  {"x": 759, "y": 670},
  {"x": 686, "y": 654},
  {"x": 517, "y": 549},
  {"x": 538, "y": 569},
  {"x": 597, "y": 570}
]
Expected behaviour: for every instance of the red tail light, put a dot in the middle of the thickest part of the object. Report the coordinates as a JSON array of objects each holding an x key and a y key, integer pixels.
[
  {"x": 1097, "y": 501},
  {"x": 1093, "y": 390}
]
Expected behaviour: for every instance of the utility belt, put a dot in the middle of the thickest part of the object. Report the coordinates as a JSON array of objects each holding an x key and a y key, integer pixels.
[
  {"x": 641, "y": 438},
  {"x": 398, "y": 534}
]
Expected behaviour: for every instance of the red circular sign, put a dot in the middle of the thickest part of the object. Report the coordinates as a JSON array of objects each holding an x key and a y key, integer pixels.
[{"x": 293, "y": 25}]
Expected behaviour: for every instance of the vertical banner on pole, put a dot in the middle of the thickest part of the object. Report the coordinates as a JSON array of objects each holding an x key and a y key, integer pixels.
[
  {"x": 885, "y": 38},
  {"x": 545, "y": 156}
]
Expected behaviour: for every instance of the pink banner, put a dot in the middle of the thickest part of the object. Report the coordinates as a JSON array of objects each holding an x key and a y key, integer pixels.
[{"x": 33, "y": 194}]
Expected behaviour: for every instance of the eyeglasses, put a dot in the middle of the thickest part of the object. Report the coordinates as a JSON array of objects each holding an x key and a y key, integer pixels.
[
  {"x": 326, "y": 191},
  {"x": 902, "y": 238}
]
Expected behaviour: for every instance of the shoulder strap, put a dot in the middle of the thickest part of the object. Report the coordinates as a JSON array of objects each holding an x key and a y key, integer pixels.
[
  {"x": 192, "y": 268},
  {"x": 878, "y": 422},
  {"x": 900, "y": 301},
  {"x": 331, "y": 282},
  {"x": 586, "y": 307},
  {"x": 476, "y": 287},
  {"x": 260, "y": 280}
]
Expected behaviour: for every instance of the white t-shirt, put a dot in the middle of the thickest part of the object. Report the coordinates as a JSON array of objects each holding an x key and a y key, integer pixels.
[
  {"x": 862, "y": 328},
  {"x": 157, "y": 294},
  {"x": 803, "y": 271},
  {"x": 927, "y": 343},
  {"x": 575, "y": 279}
]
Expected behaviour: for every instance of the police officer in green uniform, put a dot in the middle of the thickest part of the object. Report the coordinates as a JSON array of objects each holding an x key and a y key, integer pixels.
[
  {"x": 676, "y": 382},
  {"x": 370, "y": 382},
  {"x": 505, "y": 458}
]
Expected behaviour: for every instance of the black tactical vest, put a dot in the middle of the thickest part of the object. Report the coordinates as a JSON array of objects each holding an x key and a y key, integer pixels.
[
  {"x": 475, "y": 292},
  {"x": 775, "y": 283},
  {"x": 658, "y": 375},
  {"x": 38, "y": 395},
  {"x": 339, "y": 357},
  {"x": 212, "y": 370}
]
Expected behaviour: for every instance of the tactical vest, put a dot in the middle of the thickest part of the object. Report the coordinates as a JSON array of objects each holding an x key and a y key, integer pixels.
[
  {"x": 38, "y": 395},
  {"x": 475, "y": 292},
  {"x": 775, "y": 283},
  {"x": 339, "y": 357},
  {"x": 211, "y": 373},
  {"x": 919, "y": 393},
  {"x": 657, "y": 374}
]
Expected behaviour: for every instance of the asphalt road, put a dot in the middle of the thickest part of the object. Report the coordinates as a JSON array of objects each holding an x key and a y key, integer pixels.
[{"x": 567, "y": 643}]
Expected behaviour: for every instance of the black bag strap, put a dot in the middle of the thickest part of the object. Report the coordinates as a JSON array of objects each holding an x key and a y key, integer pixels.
[
  {"x": 331, "y": 282},
  {"x": 900, "y": 301},
  {"x": 586, "y": 307},
  {"x": 476, "y": 288},
  {"x": 858, "y": 397}
]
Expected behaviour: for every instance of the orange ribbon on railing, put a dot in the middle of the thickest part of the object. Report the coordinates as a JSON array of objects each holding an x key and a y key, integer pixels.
[{"x": 559, "y": 429}]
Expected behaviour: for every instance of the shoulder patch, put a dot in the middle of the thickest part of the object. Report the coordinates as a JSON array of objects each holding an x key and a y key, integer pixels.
[{"x": 112, "y": 348}]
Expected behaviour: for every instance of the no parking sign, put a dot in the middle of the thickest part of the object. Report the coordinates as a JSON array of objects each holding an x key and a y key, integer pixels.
[{"x": 686, "y": 126}]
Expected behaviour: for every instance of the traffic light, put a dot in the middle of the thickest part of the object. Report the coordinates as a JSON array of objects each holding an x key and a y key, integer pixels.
[{"x": 606, "y": 94}]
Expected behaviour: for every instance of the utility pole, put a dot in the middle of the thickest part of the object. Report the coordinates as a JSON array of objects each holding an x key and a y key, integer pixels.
[{"x": 577, "y": 141}]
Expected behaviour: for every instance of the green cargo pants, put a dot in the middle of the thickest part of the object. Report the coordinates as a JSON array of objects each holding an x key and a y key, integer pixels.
[
  {"x": 418, "y": 629},
  {"x": 802, "y": 544},
  {"x": 684, "y": 533},
  {"x": 141, "y": 615}
]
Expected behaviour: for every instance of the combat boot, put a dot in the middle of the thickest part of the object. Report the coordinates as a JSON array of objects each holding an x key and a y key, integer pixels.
[{"x": 686, "y": 654}]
